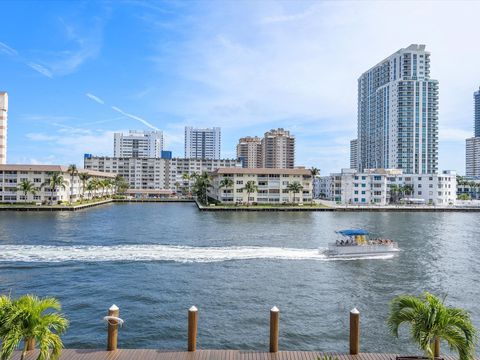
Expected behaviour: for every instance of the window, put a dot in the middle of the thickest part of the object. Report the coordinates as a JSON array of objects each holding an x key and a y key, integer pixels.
[
  {"x": 363, "y": 192},
  {"x": 239, "y": 182}
]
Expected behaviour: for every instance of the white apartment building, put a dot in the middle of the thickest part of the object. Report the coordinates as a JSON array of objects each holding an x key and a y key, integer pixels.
[
  {"x": 154, "y": 173},
  {"x": 278, "y": 149},
  {"x": 272, "y": 185},
  {"x": 3, "y": 127},
  {"x": 249, "y": 151},
  {"x": 375, "y": 187},
  {"x": 398, "y": 114},
  {"x": 202, "y": 143},
  {"x": 138, "y": 144},
  {"x": 11, "y": 177}
]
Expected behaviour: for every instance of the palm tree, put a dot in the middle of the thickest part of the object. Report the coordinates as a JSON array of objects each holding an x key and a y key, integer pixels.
[
  {"x": 202, "y": 183},
  {"x": 186, "y": 178},
  {"x": 32, "y": 320},
  {"x": 395, "y": 190},
  {"x": 72, "y": 171},
  {"x": 407, "y": 189},
  {"x": 432, "y": 321},
  {"x": 55, "y": 181},
  {"x": 294, "y": 187},
  {"x": 250, "y": 187},
  {"x": 84, "y": 177},
  {"x": 121, "y": 185},
  {"x": 177, "y": 185},
  {"x": 26, "y": 186},
  {"x": 314, "y": 172},
  {"x": 92, "y": 186}
]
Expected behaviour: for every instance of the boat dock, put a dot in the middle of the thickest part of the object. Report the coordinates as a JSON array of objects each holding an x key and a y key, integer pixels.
[{"x": 151, "y": 354}]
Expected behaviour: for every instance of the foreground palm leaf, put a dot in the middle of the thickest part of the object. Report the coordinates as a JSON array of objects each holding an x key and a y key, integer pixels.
[
  {"x": 31, "y": 319},
  {"x": 432, "y": 321}
]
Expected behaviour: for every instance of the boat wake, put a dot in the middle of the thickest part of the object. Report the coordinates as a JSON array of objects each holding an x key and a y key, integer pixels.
[{"x": 183, "y": 254}]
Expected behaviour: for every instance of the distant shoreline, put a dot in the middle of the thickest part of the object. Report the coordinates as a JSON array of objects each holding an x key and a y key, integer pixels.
[{"x": 243, "y": 208}]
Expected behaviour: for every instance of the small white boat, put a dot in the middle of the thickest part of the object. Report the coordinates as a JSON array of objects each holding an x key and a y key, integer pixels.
[{"x": 355, "y": 244}]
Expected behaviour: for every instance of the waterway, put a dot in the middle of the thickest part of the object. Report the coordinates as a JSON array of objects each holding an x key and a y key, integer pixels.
[{"x": 156, "y": 260}]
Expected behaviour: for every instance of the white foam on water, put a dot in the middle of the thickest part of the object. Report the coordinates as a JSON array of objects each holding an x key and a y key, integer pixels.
[{"x": 184, "y": 254}]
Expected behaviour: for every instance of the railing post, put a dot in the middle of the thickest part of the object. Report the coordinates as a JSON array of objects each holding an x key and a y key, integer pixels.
[
  {"x": 192, "y": 328},
  {"x": 354, "y": 332},
  {"x": 274, "y": 325},
  {"x": 113, "y": 328}
]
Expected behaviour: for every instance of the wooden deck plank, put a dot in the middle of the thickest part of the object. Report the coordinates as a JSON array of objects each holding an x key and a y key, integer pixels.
[{"x": 152, "y": 354}]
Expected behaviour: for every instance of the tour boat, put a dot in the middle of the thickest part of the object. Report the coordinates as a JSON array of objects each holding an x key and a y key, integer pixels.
[{"x": 356, "y": 244}]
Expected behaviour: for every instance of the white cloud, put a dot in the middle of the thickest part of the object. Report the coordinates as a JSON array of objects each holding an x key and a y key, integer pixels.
[
  {"x": 16, "y": 56},
  {"x": 95, "y": 98},
  {"x": 40, "y": 69},
  {"x": 134, "y": 117},
  {"x": 7, "y": 49}
]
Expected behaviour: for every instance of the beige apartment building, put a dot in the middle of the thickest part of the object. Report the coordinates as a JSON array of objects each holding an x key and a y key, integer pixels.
[
  {"x": 278, "y": 149},
  {"x": 3, "y": 127},
  {"x": 272, "y": 185},
  {"x": 11, "y": 177},
  {"x": 249, "y": 151}
]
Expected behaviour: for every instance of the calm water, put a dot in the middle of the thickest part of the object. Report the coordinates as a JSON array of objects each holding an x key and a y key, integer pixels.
[{"x": 156, "y": 260}]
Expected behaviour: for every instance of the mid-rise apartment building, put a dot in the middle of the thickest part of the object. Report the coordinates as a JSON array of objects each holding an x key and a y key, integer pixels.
[
  {"x": 272, "y": 185},
  {"x": 384, "y": 186},
  {"x": 472, "y": 150},
  {"x": 138, "y": 144},
  {"x": 11, "y": 176},
  {"x": 398, "y": 114},
  {"x": 202, "y": 143},
  {"x": 155, "y": 173},
  {"x": 278, "y": 149},
  {"x": 3, "y": 127},
  {"x": 249, "y": 152}
]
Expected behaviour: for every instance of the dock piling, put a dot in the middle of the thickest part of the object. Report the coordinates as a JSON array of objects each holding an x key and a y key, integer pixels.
[
  {"x": 354, "y": 332},
  {"x": 113, "y": 324},
  {"x": 192, "y": 328},
  {"x": 274, "y": 329}
]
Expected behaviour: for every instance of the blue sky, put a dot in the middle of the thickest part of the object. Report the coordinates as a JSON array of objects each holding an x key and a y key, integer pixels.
[{"x": 77, "y": 71}]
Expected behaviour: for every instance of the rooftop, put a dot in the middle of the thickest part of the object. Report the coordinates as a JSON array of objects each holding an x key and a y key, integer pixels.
[
  {"x": 51, "y": 168},
  {"x": 259, "y": 171}
]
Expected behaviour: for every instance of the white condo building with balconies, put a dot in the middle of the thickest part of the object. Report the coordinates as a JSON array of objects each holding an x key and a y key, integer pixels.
[{"x": 398, "y": 114}]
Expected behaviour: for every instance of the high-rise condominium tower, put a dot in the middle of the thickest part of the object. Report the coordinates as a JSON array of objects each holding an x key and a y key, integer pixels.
[
  {"x": 473, "y": 144},
  {"x": 138, "y": 144},
  {"x": 476, "y": 97},
  {"x": 3, "y": 127},
  {"x": 202, "y": 143},
  {"x": 249, "y": 151},
  {"x": 353, "y": 154},
  {"x": 398, "y": 114},
  {"x": 278, "y": 149}
]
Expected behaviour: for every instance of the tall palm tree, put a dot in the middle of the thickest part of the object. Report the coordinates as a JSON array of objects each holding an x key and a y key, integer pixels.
[
  {"x": 121, "y": 185},
  {"x": 72, "y": 171},
  {"x": 250, "y": 188},
  {"x": 186, "y": 178},
  {"x": 294, "y": 187},
  {"x": 432, "y": 321},
  {"x": 202, "y": 183},
  {"x": 91, "y": 187},
  {"x": 55, "y": 181},
  {"x": 32, "y": 320},
  {"x": 314, "y": 172},
  {"x": 26, "y": 186},
  {"x": 84, "y": 177}
]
